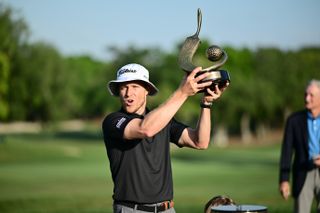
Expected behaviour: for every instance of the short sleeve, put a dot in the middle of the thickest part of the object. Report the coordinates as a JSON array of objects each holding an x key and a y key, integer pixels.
[
  {"x": 114, "y": 124},
  {"x": 176, "y": 130}
]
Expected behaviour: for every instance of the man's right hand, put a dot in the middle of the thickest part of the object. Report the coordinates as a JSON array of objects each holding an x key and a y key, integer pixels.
[
  {"x": 316, "y": 161},
  {"x": 192, "y": 83},
  {"x": 285, "y": 189}
]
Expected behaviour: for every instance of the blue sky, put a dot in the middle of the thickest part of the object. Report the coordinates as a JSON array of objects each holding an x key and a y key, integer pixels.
[{"x": 90, "y": 26}]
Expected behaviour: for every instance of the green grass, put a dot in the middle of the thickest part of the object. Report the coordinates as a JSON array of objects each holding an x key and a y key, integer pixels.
[
  {"x": 249, "y": 175},
  {"x": 70, "y": 173}
]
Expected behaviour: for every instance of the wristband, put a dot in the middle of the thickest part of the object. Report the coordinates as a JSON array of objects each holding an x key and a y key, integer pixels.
[{"x": 203, "y": 105}]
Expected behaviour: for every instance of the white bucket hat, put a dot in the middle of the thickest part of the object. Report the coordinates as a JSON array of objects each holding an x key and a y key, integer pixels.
[{"x": 131, "y": 72}]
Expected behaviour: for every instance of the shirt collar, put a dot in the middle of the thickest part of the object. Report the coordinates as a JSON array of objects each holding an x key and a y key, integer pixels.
[
  {"x": 311, "y": 117},
  {"x": 147, "y": 111}
]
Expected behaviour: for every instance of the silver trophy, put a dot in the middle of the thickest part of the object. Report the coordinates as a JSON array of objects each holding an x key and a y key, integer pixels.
[{"x": 214, "y": 53}]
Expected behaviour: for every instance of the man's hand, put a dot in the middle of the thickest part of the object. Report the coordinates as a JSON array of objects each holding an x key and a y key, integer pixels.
[
  {"x": 316, "y": 161},
  {"x": 285, "y": 189},
  {"x": 212, "y": 95},
  {"x": 191, "y": 84}
]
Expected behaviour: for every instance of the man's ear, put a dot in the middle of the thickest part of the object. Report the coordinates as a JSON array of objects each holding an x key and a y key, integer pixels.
[{"x": 147, "y": 87}]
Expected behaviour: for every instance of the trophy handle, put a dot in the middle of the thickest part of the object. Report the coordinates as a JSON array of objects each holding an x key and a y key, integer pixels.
[
  {"x": 199, "y": 22},
  {"x": 189, "y": 48}
]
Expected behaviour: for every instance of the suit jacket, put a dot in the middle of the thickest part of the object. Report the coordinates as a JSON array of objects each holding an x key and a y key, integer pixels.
[{"x": 295, "y": 143}]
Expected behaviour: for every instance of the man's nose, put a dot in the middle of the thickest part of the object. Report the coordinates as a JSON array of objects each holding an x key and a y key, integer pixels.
[{"x": 128, "y": 91}]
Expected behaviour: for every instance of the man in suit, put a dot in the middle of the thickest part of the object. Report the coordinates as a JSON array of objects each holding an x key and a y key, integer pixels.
[{"x": 302, "y": 140}]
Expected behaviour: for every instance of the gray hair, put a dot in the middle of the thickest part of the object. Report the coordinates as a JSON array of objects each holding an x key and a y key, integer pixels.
[{"x": 314, "y": 82}]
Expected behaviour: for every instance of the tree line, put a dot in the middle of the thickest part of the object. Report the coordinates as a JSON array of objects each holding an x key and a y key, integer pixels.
[{"x": 38, "y": 83}]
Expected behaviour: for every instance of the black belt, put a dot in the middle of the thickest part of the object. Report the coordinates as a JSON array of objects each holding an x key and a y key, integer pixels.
[{"x": 159, "y": 207}]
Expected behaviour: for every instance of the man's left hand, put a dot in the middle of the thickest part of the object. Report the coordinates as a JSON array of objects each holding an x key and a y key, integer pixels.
[
  {"x": 212, "y": 95},
  {"x": 316, "y": 161}
]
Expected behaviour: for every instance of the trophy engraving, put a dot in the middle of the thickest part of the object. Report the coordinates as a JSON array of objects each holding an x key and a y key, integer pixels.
[{"x": 214, "y": 53}]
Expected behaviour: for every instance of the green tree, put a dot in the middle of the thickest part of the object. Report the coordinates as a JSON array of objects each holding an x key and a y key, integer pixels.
[
  {"x": 37, "y": 85},
  {"x": 13, "y": 35},
  {"x": 87, "y": 85},
  {"x": 237, "y": 106},
  {"x": 4, "y": 84},
  {"x": 270, "y": 73}
]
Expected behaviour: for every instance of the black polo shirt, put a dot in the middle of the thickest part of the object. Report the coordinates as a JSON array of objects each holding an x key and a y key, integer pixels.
[{"x": 141, "y": 169}]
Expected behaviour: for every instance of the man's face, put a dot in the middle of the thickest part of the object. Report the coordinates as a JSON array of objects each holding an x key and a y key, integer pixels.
[
  {"x": 312, "y": 98},
  {"x": 133, "y": 96}
]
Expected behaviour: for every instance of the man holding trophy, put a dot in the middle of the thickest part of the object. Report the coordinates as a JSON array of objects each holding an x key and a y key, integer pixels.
[{"x": 138, "y": 139}]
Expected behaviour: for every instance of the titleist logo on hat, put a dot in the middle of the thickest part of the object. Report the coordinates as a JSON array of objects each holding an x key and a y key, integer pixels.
[
  {"x": 126, "y": 71},
  {"x": 138, "y": 73}
]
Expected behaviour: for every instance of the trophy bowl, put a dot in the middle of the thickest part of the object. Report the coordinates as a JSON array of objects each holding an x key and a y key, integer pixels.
[
  {"x": 218, "y": 77},
  {"x": 239, "y": 209}
]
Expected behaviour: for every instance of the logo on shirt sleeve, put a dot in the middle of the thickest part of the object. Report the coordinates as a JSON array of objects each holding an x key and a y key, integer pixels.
[{"x": 120, "y": 122}]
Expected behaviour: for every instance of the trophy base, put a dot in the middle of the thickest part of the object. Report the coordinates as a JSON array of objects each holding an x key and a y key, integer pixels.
[{"x": 218, "y": 77}]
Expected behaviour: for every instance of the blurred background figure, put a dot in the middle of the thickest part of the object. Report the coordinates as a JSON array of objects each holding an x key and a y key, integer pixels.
[
  {"x": 302, "y": 139},
  {"x": 217, "y": 201}
]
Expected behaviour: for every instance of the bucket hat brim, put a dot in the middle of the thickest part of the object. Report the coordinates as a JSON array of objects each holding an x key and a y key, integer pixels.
[{"x": 113, "y": 86}]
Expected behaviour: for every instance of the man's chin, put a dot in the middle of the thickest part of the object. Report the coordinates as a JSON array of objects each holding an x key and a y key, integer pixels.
[
  {"x": 130, "y": 109},
  {"x": 307, "y": 106}
]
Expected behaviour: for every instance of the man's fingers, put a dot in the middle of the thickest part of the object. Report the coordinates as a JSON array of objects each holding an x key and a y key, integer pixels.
[
  {"x": 205, "y": 84},
  {"x": 201, "y": 76},
  {"x": 285, "y": 189},
  {"x": 286, "y": 195},
  {"x": 194, "y": 72}
]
